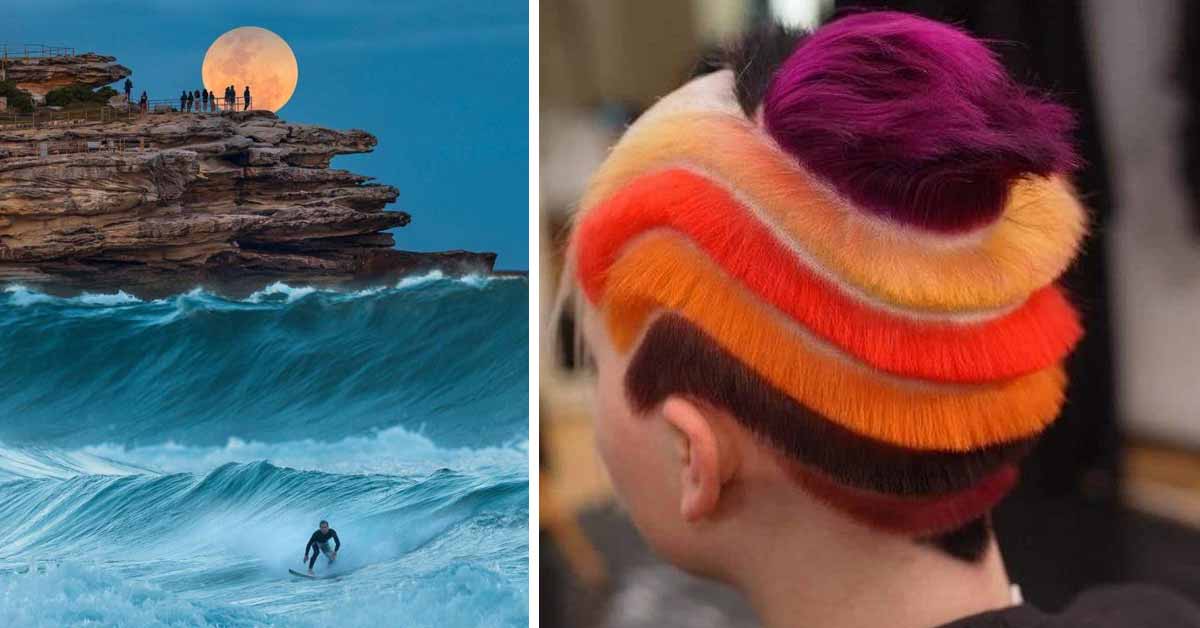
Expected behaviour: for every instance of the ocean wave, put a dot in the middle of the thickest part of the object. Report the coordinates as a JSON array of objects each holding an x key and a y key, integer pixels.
[
  {"x": 71, "y": 594},
  {"x": 254, "y": 503},
  {"x": 444, "y": 357},
  {"x": 163, "y": 462},
  {"x": 219, "y": 545},
  {"x": 41, "y": 462},
  {"x": 459, "y": 595}
]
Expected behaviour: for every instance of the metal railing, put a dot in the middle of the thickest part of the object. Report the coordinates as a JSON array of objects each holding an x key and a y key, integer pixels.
[
  {"x": 49, "y": 117},
  {"x": 69, "y": 147},
  {"x": 13, "y": 52},
  {"x": 34, "y": 51},
  {"x": 42, "y": 118},
  {"x": 45, "y": 117}
]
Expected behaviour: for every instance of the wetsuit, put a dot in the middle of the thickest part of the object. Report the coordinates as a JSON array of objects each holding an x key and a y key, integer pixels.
[{"x": 319, "y": 543}]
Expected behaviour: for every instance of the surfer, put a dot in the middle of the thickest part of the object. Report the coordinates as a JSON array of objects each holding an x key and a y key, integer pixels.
[{"x": 319, "y": 544}]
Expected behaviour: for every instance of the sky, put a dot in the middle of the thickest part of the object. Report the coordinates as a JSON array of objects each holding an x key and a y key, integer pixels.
[{"x": 443, "y": 84}]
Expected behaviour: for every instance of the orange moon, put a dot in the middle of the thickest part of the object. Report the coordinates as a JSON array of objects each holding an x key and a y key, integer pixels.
[{"x": 249, "y": 55}]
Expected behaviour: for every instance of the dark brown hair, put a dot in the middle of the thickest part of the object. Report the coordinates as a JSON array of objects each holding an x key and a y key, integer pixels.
[{"x": 676, "y": 358}]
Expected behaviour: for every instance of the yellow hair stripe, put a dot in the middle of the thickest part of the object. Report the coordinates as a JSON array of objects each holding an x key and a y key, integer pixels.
[
  {"x": 995, "y": 267},
  {"x": 661, "y": 270}
]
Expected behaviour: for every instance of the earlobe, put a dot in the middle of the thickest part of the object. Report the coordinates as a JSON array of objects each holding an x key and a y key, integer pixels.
[{"x": 699, "y": 460}]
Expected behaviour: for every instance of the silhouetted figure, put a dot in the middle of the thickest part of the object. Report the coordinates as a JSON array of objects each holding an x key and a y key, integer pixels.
[
  {"x": 128, "y": 89},
  {"x": 212, "y": 101},
  {"x": 204, "y": 100},
  {"x": 246, "y": 97},
  {"x": 183, "y": 101},
  {"x": 191, "y": 102},
  {"x": 144, "y": 103}
]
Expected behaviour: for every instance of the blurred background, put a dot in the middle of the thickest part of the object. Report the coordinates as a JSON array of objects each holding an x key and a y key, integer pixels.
[{"x": 1113, "y": 491}]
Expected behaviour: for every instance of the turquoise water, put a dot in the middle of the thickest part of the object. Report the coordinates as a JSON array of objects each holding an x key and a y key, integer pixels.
[{"x": 162, "y": 463}]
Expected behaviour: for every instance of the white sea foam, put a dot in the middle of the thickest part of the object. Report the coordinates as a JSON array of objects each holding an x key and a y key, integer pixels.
[
  {"x": 476, "y": 281},
  {"x": 75, "y": 595},
  {"x": 279, "y": 289},
  {"x": 20, "y": 295},
  {"x": 118, "y": 298},
  {"x": 417, "y": 280}
]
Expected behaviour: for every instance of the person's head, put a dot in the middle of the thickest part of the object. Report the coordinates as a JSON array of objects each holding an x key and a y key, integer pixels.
[
  {"x": 819, "y": 287},
  {"x": 324, "y": 525}
]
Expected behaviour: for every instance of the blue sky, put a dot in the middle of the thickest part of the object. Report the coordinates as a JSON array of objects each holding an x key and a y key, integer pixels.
[{"x": 443, "y": 84}]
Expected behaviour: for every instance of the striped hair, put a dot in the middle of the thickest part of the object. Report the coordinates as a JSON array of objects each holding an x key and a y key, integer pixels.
[{"x": 850, "y": 240}]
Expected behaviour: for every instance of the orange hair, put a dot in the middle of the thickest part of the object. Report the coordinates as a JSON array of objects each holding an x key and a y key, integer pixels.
[{"x": 662, "y": 271}]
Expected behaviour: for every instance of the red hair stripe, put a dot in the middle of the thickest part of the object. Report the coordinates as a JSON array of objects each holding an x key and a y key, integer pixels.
[{"x": 917, "y": 516}]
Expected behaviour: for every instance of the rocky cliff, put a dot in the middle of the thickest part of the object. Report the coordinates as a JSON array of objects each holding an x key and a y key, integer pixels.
[
  {"x": 159, "y": 202},
  {"x": 39, "y": 75}
]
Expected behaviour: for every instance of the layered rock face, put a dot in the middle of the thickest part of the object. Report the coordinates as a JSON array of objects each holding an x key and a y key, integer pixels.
[
  {"x": 39, "y": 75},
  {"x": 160, "y": 202}
]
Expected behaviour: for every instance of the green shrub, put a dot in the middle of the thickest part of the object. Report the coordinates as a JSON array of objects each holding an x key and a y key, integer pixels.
[
  {"x": 71, "y": 94},
  {"x": 18, "y": 100}
]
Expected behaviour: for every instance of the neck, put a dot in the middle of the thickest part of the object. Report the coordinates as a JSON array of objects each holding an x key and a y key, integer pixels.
[{"x": 845, "y": 576}]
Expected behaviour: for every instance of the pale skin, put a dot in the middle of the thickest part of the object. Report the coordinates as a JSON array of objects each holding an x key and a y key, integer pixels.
[{"x": 711, "y": 499}]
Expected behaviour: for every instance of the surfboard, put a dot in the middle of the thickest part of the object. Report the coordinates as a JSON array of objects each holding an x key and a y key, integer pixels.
[
  {"x": 324, "y": 574},
  {"x": 302, "y": 574}
]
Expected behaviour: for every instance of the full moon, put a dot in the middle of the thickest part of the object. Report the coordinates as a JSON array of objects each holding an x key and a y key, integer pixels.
[{"x": 249, "y": 55}]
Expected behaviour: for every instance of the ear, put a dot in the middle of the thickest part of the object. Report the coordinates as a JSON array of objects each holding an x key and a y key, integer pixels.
[{"x": 699, "y": 457}]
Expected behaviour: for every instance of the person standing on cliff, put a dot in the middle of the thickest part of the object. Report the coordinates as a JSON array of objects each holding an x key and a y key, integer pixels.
[
  {"x": 144, "y": 102},
  {"x": 128, "y": 89},
  {"x": 182, "y": 101},
  {"x": 204, "y": 100},
  {"x": 246, "y": 98}
]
